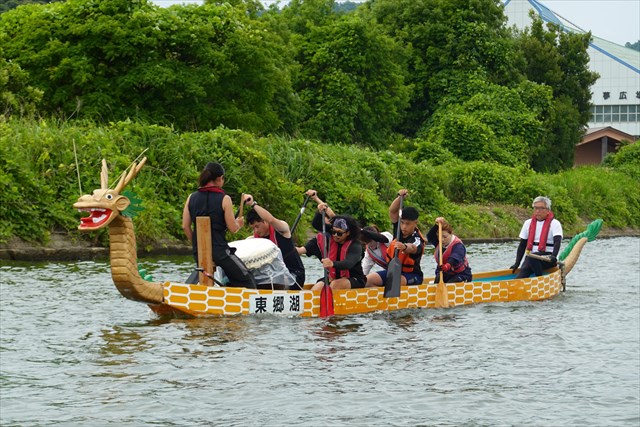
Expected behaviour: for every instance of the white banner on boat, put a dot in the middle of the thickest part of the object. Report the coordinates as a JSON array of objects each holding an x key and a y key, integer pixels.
[{"x": 277, "y": 303}]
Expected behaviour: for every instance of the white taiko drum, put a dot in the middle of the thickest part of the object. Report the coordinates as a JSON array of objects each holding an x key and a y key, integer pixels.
[
  {"x": 255, "y": 253},
  {"x": 264, "y": 260}
]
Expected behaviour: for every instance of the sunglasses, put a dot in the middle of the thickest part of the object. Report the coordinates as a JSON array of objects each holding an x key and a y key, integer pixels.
[{"x": 338, "y": 233}]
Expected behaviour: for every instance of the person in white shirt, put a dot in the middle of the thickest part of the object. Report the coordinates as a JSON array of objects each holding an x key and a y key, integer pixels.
[
  {"x": 376, "y": 244},
  {"x": 540, "y": 235}
]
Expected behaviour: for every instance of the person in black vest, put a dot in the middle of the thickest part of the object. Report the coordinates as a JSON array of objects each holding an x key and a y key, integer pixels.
[
  {"x": 210, "y": 200},
  {"x": 269, "y": 227}
]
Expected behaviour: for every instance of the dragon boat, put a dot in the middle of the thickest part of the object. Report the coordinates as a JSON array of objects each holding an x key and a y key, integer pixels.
[{"x": 113, "y": 208}]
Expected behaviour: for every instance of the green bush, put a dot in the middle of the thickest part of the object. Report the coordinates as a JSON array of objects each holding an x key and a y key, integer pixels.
[
  {"x": 39, "y": 181},
  {"x": 626, "y": 160}
]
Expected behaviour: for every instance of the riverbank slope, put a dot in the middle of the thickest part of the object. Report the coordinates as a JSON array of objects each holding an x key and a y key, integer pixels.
[{"x": 62, "y": 247}]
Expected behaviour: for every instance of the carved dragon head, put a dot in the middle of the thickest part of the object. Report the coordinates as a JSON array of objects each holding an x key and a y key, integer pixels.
[{"x": 105, "y": 204}]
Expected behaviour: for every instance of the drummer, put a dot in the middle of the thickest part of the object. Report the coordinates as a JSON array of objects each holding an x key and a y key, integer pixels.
[{"x": 265, "y": 225}]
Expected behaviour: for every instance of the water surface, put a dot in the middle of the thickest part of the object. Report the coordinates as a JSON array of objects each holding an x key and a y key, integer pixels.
[{"x": 74, "y": 352}]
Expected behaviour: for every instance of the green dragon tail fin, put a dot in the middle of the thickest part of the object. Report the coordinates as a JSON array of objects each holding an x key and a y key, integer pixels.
[{"x": 590, "y": 233}]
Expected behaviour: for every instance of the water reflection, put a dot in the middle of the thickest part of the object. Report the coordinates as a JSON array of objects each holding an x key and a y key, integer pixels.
[
  {"x": 335, "y": 327},
  {"x": 74, "y": 352},
  {"x": 120, "y": 341}
]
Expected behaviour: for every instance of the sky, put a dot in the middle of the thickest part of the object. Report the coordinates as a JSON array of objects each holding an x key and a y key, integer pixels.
[{"x": 615, "y": 20}]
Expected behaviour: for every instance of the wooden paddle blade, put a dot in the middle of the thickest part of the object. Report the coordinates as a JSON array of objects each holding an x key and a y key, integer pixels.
[
  {"x": 394, "y": 274},
  {"x": 326, "y": 301},
  {"x": 442, "y": 297}
]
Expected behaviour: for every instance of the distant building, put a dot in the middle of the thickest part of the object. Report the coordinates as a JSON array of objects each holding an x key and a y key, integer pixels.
[
  {"x": 616, "y": 94},
  {"x": 597, "y": 143}
]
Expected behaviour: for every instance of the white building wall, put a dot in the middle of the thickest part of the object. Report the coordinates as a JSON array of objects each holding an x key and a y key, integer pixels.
[{"x": 616, "y": 94}]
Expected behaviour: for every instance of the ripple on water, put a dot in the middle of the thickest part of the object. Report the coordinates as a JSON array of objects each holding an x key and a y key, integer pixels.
[{"x": 74, "y": 352}]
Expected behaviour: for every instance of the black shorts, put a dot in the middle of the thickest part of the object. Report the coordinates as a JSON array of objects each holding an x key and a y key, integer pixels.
[{"x": 356, "y": 282}]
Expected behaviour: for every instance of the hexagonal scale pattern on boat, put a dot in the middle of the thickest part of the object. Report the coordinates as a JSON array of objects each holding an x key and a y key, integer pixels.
[{"x": 200, "y": 300}]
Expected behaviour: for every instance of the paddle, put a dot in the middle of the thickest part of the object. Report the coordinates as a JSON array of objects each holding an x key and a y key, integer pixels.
[
  {"x": 442, "y": 299},
  {"x": 326, "y": 296},
  {"x": 241, "y": 207},
  {"x": 394, "y": 269},
  {"x": 304, "y": 205},
  {"x": 546, "y": 258}
]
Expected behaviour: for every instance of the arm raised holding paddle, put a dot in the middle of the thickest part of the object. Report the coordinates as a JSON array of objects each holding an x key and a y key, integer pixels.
[
  {"x": 404, "y": 252},
  {"x": 322, "y": 206},
  {"x": 267, "y": 226}
]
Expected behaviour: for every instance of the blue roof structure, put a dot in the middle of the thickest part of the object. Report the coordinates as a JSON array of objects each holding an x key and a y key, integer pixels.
[{"x": 628, "y": 57}]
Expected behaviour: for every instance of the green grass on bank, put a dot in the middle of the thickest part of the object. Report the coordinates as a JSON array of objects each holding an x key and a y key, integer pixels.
[{"x": 39, "y": 181}]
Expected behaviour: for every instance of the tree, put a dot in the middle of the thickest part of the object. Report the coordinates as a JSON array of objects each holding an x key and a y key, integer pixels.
[
  {"x": 351, "y": 78},
  {"x": 193, "y": 67},
  {"x": 12, "y": 4},
  {"x": 497, "y": 124},
  {"x": 450, "y": 41},
  {"x": 634, "y": 46},
  {"x": 559, "y": 60}
]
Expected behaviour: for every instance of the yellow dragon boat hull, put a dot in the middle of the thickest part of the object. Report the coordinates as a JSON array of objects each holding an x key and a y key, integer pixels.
[
  {"x": 111, "y": 208},
  {"x": 496, "y": 286}
]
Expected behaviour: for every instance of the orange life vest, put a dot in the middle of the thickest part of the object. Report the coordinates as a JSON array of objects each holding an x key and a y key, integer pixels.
[{"x": 408, "y": 263}]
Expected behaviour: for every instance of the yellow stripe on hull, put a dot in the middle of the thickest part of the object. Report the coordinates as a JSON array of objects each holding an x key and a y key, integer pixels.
[{"x": 204, "y": 301}]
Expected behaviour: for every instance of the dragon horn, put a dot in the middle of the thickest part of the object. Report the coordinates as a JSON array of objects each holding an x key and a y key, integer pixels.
[
  {"x": 133, "y": 171},
  {"x": 104, "y": 176}
]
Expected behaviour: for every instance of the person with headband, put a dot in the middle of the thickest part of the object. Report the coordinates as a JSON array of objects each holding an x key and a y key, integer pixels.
[
  {"x": 540, "y": 235},
  {"x": 410, "y": 245},
  {"x": 344, "y": 254},
  {"x": 210, "y": 200}
]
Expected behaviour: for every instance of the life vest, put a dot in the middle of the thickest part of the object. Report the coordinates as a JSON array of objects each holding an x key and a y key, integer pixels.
[
  {"x": 333, "y": 254},
  {"x": 544, "y": 233},
  {"x": 272, "y": 235},
  {"x": 379, "y": 258},
  {"x": 408, "y": 263},
  {"x": 447, "y": 252}
]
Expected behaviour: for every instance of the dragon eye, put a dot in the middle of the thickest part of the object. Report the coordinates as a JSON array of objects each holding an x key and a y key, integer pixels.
[{"x": 109, "y": 196}]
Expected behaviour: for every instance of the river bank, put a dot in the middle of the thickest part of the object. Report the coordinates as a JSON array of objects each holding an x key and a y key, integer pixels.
[{"x": 62, "y": 247}]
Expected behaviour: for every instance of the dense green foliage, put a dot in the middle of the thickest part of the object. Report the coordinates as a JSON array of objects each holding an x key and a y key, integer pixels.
[
  {"x": 351, "y": 82},
  {"x": 373, "y": 75},
  {"x": 558, "y": 60},
  {"x": 437, "y": 96},
  {"x": 39, "y": 183},
  {"x": 12, "y": 4},
  {"x": 451, "y": 41},
  {"x": 192, "y": 67},
  {"x": 626, "y": 160}
]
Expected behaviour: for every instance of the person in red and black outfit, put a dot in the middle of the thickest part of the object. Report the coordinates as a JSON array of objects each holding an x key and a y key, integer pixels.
[
  {"x": 410, "y": 245},
  {"x": 210, "y": 200},
  {"x": 344, "y": 254},
  {"x": 454, "y": 267},
  {"x": 267, "y": 226},
  {"x": 541, "y": 235}
]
